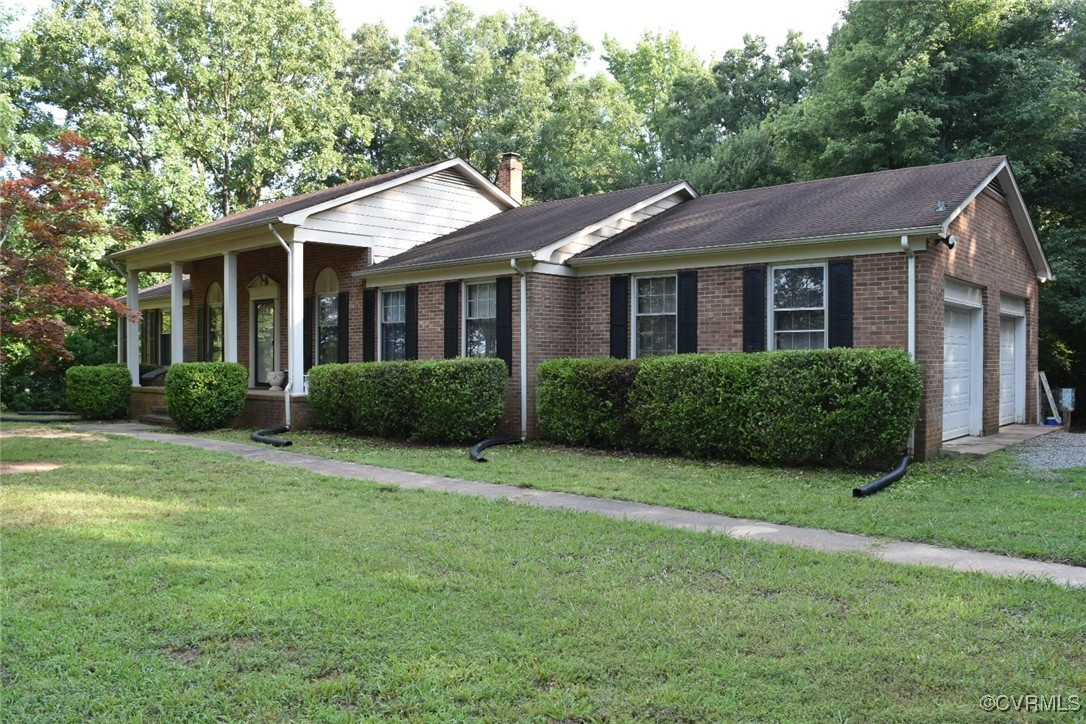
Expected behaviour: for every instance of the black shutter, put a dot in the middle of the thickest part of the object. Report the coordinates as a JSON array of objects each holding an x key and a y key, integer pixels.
[
  {"x": 411, "y": 322},
  {"x": 505, "y": 320},
  {"x": 307, "y": 334},
  {"x": 343, "y": 330},
  {"x": 840, "y": 303},
  {"x": 202, "y": 351},
  {"x": 452, "y": 320},
  {"x": 369, "y": 325},
  {"x": 620, "y": 317},
  {"x": 754, "y": 293},
  {"x": 687, "y": 301}
]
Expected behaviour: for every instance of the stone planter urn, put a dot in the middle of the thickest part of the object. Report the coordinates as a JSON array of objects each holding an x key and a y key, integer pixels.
[{"x": 276, "y": 380}]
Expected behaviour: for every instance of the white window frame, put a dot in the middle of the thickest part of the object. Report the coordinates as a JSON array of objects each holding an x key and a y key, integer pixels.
[
  {"x": 214, "y": 301},
  {"x": 464, "y": 310},
  {"x": 381, "y": 319},
  {"x": 634, "y": 314},
  {"x": 772, "y": 309}
]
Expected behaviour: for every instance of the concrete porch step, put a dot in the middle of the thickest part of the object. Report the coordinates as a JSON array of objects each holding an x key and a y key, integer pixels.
[{"x": 159, "y": 410}]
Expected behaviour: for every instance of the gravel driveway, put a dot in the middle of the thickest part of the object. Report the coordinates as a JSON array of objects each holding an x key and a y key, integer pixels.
[{"x": 1059, "y": 449}]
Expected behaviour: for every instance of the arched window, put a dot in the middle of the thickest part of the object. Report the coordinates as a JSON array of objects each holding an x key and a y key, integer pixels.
[
  {"x": 216, "y": 323},
  {"x": 327, "y": 293}
]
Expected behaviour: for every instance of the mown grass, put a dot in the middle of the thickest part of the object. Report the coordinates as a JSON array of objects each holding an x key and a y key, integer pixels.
[
  {"x": 148, "y": 581},
  {"x": 992, "y": 504}
]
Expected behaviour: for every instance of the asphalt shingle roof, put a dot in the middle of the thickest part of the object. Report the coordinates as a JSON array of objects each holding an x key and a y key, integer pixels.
[
  {"x": 907, "y": 198},
  {"x": 522, "y": 230}
]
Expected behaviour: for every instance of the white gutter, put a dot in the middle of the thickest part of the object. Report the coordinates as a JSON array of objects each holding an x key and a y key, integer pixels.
[
  {"x": 910, "y": 255},
  {"x": 523, "y": 349},
  {"x": 290, "y": 318}
]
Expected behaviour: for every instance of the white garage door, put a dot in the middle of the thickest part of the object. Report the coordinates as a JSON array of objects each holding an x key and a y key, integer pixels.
[
  {"x": 957, "y": 373},
  {"x": 1007, "y": 365}
]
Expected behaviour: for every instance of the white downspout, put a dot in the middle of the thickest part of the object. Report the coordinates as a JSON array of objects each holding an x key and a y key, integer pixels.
[
  {"x": 290, "y": 316},
  {"x": 523, "y": 349},
  {"x": 910, "y": 255}
]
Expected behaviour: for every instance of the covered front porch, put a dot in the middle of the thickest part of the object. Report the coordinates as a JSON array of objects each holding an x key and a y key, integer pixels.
[{"x": 263, "y": 408}]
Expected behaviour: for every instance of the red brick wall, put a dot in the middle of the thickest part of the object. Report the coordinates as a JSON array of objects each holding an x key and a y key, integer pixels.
[
  {"x": 989, "y": 254},
  {"x": 880, "y": 300},
  {"x": 593, "y": 330}
]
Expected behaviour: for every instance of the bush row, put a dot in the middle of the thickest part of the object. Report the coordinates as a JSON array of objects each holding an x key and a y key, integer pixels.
[
  {"x": 838, "y": 407},
  {"x": 99, "y": 392},
  {"x": 457, "y": 400},
  {"x": 205, "y": 395}
]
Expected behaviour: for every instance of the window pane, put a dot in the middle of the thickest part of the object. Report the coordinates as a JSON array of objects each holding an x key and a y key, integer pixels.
[
  {"x": 215, "y": 333},
  {"x": 798, "y": 288},
  {"x": 394, "y": 306},
  {"x": 327, "y": 329},
  {"x": 795, "y": 321},
  {"x": 393, "y": 341},
  {"x": 656, "y": 335},
  {"x": 482, "y": 336},
  {"x": 482, "y": 300},
  {"x": 656, "y": 295},
  {"x": 800, "y": 340}
]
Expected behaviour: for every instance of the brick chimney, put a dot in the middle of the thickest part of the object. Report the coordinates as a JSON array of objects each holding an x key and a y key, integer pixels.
[{"x": 510, "y": 171}]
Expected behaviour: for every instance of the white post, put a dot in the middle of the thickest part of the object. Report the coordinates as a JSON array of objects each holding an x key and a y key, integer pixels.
[
  {"x": 295, "y": 317},
  {"x": 132, "y": 348},
  {"x": 230, "y": 307},
  {"x": 177, "y": 314}
]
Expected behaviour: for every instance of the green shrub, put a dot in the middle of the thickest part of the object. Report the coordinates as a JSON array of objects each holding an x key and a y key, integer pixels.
[
  {"x": 205, "y": 395},
  {"x": 102, "y": 392},
  {"x": 586, "y": 401},
  {"x": 838, "y": 407},
  {"x": 329, "y": 396},
  {"x": 382, "y": 397},
  {"x": 458, "y": 400},
  {"x": 841, "y": 407},
  {"x": 696, "y": 405}
]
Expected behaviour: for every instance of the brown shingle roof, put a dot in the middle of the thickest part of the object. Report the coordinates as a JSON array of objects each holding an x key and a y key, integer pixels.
[
  {"x": 521, "y": 230},
  {"x": 907, "y": 198},
  {"x": 265, "y": 213}
]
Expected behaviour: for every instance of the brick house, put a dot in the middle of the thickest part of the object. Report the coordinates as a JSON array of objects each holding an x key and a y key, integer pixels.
[{"x": 940, "y": 260}]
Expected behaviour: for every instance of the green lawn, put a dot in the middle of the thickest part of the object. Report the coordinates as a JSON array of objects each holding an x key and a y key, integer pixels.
[
  {"x": 994, "y": 504},
  {"x": 148, "y": 581}
]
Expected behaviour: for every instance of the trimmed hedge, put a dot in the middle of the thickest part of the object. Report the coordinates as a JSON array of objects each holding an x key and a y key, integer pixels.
[
  {"x": 838, "y": 407},
  {"x": 205, "y": 395},
  {"x": 586, "y": 401},
  {"x": 458, "y": 400},
  {"x": 101, "y": 392}
]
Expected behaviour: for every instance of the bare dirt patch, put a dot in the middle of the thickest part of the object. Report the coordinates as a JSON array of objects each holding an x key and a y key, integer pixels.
[
  {"x": 50, "y": 433},
  {"x": 184, "y": 654},
  {"x": 16, "y": 468}
]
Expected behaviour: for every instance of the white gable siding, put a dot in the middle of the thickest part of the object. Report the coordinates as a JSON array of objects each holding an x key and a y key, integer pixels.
[
  {"x": 583, "y": 243},
  {"x": 395, "y": 220}
]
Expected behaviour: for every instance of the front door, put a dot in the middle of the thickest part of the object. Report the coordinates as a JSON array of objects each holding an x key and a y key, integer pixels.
[{"x": 263, "y": 339}]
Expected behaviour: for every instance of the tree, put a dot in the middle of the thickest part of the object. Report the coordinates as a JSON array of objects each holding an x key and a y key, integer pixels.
[
  {"x": 197, "y": 109},
  {"x": 477, "y": 86},
  {"x": 52, "y": 231},
  {"x": 650, "y": 74}
]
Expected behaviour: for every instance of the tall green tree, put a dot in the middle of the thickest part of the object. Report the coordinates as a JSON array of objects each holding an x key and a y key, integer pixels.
[
  {"x": 477, "y": 86},
  {"x": 671, "y": 88},
  {"x": 196, "y": 109}
]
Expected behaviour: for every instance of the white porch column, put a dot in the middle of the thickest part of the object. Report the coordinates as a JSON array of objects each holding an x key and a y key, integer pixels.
[
  {"x": 177, "y": 315},
  {"x": 295, "y": 315},
  {"x": 230, "y": 307},
  {"x": 132, "y": 347}
]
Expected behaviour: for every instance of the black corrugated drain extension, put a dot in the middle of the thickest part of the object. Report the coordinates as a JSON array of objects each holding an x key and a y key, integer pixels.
[
  {"x": 264, "y": 436},
  {"x": 885, "y": 481},
  {"x": 476, "y": 452}
]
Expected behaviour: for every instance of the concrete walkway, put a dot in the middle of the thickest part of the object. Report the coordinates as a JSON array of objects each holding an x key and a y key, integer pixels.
[
  {"x": 978, "y": 446},
  {"x": 812, "y": 538}
]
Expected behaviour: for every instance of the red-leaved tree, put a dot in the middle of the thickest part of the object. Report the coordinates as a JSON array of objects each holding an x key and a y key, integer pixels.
[{"x": 46, "y": 215}]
